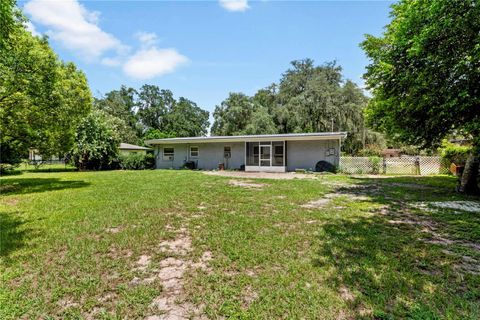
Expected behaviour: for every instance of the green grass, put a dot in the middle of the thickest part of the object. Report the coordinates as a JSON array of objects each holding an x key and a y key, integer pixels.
[{"x": 272, "y": 258}]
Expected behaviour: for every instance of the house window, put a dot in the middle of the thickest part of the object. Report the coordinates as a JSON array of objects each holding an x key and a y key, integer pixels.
[
  {"x": 193, "y": 152},
  {"x": 168, "y": 154},
  {"x": 227, "y": 152}
]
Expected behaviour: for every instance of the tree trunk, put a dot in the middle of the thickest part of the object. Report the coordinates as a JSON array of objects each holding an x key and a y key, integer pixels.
[{"x": 468, "y": 181}]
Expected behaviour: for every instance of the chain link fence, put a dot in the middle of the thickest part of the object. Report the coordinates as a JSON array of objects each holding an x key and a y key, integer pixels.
[{"x": 408, "y": 165}]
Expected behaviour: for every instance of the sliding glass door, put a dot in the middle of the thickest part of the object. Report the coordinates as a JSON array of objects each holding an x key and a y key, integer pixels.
[{"x": 265, "y": 155}]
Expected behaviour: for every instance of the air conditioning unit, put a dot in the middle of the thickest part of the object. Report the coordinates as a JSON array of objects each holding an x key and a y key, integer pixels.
[{"x": 227, "y": 155}]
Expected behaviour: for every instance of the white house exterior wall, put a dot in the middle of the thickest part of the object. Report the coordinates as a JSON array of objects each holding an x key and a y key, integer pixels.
[
  {"x": 306, "y": 154},
  {"x": 299, "y": 154},
  {"x": 209, "y": 155}
]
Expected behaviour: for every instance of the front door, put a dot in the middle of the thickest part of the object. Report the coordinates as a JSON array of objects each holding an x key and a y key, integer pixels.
[{"x": 265, "y": 155}]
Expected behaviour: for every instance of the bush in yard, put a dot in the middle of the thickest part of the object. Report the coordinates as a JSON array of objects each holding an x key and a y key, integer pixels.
[
  {"x": 149, "y": 161},
  {"x": 376, "y": 164},
  {"x": 370, "y": 151},
  {"x": 133, "y": 161},
  {"x": 453, "y": 153},
  {"x": 6, "y": 168},
  {"x": 96, "y": 144}
]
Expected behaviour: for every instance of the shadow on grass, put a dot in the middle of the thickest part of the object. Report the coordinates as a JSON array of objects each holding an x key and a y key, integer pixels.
[
  {"x": 35, "y": 185},
  {"x": 381, "y": 261},
  {"x": 47, "y": 169},
  {"x": 11, "y": 236},
  {"x": 11, "y": 173}
]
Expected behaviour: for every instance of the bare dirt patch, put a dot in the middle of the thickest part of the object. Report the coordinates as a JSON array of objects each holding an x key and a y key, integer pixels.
[
  {"x": 248, "y": 296},
  {"x": 321, "y": 203},
  {"x": 262, "y": 175},
  {"x": 247, "y": 184},
  {"x": 181, "y": 245},
  {"x": 67, "y": 303},
  {"x": 414, "y": 186},
  {"x": 425, "y": 224},
  {"x": 173, "y": 302},
  {"x": 11, "y": 201},
  {"x": 466, "y": 206},
  {"x": 346, "y": 294},
  {"x": 143, "y": 262},
  {"x": 113, "y": 230}
]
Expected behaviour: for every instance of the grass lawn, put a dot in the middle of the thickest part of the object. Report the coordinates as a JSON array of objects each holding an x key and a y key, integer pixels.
[{"x": 153, "y": 244}]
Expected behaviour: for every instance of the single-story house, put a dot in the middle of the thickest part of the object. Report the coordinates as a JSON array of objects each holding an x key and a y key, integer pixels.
[
  {"x": 126, "y": 148},
  {"x": 271, "y": 152}
]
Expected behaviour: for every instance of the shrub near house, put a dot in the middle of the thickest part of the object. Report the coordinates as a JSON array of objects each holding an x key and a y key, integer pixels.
[{"x": 136, "y": 161}]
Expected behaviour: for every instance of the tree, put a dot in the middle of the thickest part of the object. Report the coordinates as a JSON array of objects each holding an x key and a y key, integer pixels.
[
  {"x": 41, "y": 98},
  {"x": 425, "y": 73},
  {"x": 261, "y": 122},
  {"x": 308, "y": 98},
  {"x": 122, "y": 105},
  {"x": 314, "y": 98},
  {"x": 157, "y": 134},
  {"x": 186, "y": 119},
  {"x": 96, "y": 143},
  {"x": 8, "y": 16},
  {"x": 123, "y": 131},
  {"x": 233, "y": 115},
  {"x": 153, "y": 106},
  {"x": 152, "y": 112}
]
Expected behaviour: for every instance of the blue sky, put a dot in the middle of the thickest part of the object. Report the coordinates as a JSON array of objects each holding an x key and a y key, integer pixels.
[{"x": 203, "y": 50}]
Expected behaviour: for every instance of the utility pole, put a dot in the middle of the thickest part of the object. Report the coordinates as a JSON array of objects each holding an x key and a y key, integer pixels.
[{"x": 332, "y": 125}]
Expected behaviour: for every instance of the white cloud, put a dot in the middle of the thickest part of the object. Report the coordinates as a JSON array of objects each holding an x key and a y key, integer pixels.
[
  {"x": 234, "y": 5},
  {"x": 147, "y": 39},
  {"x": 153, "y": 62},
  {"x": 74, "y": 26},
  {"x": 31, "y": 28},
  {"x": 77, "y": 29},
  {"x": 111, "y": 61}
]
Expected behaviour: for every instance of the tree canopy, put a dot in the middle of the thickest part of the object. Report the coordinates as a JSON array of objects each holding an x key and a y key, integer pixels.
[
  {"x": 425, "y": 71},
  {"x": 41, "y": 97},
  {"x": 121, "y": 105},
  {"x": 308, "y": 98},
  {"x": 152, "y": 111},
  {"x": 425, "y": 74}
]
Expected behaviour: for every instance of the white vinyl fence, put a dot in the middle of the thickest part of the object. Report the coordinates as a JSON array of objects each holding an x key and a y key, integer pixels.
[{"x": 408, "y": 165}]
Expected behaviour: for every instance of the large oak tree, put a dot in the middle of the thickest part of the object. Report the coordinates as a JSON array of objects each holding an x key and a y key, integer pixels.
[{"x": 308, "y": 98}]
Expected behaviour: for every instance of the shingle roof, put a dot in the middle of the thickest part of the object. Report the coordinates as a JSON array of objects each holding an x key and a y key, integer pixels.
[{"x": 127, "y": 146}]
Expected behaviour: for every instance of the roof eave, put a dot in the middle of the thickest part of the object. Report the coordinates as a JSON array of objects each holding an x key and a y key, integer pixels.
[{"x": 326, "y": 136}]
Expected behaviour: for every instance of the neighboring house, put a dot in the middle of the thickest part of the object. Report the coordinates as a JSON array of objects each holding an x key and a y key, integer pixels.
[
  {"x": 391, "y": 153},
  {"x": 126, "y": 148},
  {"x": 35, "y": 157},
  {"x": 273, "y": 152},
  {"x": 461, "y": 141}
]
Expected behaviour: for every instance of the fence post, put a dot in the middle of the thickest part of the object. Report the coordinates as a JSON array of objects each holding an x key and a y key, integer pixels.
[
  {"x": 417, "y": 165},
  {"x": 384, "y": 165}
]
